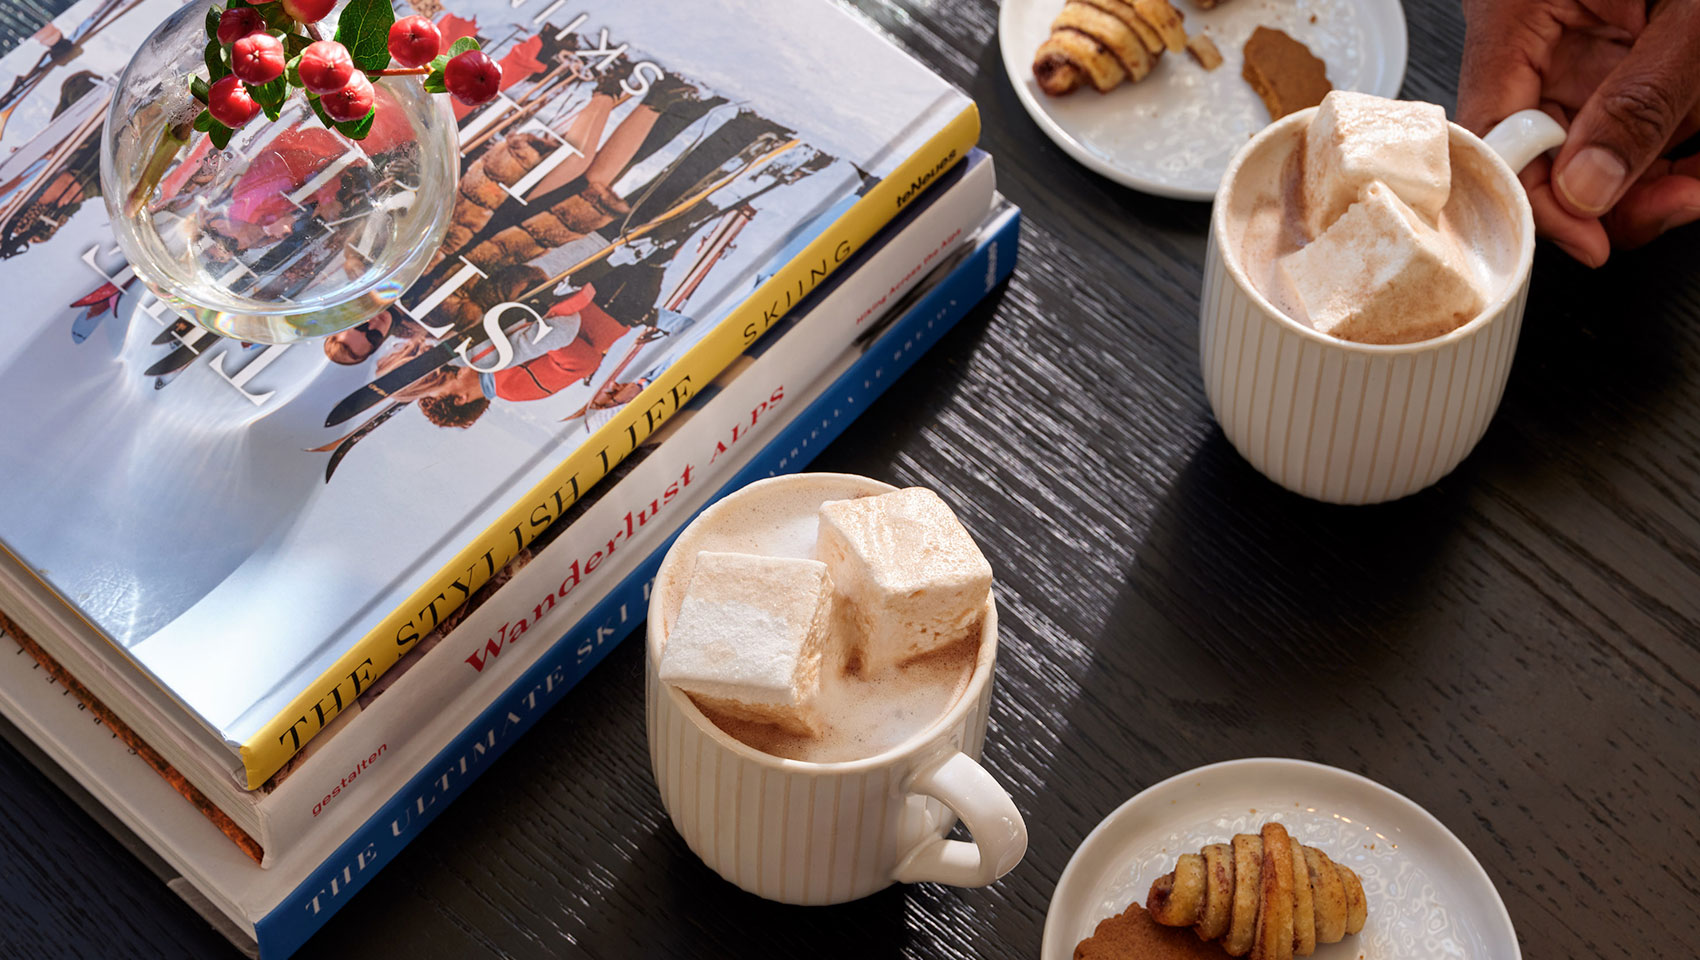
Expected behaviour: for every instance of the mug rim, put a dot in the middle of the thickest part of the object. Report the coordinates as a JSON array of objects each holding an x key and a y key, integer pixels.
[
  {"x": 984, "y": 663},
  {"x": 1511, "y": 185}
]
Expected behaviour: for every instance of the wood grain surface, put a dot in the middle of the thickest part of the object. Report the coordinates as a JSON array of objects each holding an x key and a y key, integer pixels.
[{"x": 1517, "y": 649}]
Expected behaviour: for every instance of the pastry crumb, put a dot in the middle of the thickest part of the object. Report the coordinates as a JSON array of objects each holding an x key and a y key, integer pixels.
[{"x": 1203, "y": 49}]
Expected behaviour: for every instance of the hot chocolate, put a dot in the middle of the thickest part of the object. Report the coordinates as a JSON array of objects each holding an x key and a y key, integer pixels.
[
  {"x": 858, "y": 712},
  {"x": 1435, "y": 254}
]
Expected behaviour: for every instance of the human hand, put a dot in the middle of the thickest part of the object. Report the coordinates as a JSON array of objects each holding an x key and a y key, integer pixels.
[{"x": 1624, "y": 78}]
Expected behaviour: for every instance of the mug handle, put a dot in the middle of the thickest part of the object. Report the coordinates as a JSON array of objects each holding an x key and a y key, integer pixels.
[
  {"x": 1000, "y": 835},
  {"x": 1523, "y": 136}
]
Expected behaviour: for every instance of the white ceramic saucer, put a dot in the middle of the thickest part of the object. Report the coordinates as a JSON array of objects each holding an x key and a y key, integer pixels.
[
  {"x": 1428, "y": 897},
  {"x": 1172, "y": 133}
]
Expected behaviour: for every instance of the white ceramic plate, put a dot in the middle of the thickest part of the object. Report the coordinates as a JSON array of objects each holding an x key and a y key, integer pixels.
[
  {"x": 1428, "y": 897},
  {"x": 1172, "y": 133}
]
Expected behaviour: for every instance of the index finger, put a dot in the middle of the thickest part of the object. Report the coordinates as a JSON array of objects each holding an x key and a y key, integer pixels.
[{"x": 1504, "y": 47}]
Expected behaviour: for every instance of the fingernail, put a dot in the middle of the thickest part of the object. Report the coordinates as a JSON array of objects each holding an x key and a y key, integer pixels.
[
  {"x": 1579, "y": 255},
  {"x": 1591, "y": 179}
]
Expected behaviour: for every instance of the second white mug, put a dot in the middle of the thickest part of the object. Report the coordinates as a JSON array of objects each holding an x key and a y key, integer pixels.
[{"x": 1352, "y": 422}]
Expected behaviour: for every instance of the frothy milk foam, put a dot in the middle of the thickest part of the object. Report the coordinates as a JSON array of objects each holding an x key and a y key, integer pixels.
[
  {"x": 860, "y": 716},
  {"x": 1266, "y": 212}
]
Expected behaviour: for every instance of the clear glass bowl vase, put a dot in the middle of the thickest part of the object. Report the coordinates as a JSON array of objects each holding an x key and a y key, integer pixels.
[{"x": 293, "y": 230}]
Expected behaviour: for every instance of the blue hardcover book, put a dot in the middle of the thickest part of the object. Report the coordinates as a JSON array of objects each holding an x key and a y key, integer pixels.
[{"x": 277, "y": 910}]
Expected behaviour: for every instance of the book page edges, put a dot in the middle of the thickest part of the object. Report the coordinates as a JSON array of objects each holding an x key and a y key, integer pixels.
[
  {"x": 284, "y": 735},
  {"x": 131, "y": 739}
]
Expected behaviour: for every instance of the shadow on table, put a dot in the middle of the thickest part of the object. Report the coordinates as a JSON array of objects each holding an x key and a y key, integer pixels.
[
  {"x": 1254, "y": 574},
  {"x": 1600, "y": 360},
  {"x": 1252, "y": 621},
  {"x": 876, "y": 440},
  {"x": 697, "y": 913}
]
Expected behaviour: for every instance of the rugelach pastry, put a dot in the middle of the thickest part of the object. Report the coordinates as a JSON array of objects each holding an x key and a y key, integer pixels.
[
  {"x": 1263, "y": 894},
  {"x": 1106, "y": 42}
]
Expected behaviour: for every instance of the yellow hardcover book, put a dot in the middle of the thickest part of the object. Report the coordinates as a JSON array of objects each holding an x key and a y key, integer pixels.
[{"x": 226, "y": 543}]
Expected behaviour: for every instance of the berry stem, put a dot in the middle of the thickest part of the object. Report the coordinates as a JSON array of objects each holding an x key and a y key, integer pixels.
[
  {"x": 172, "y": 139},
  {"x": 424, "y": 71},
  {"x": 313, "y": 31}
]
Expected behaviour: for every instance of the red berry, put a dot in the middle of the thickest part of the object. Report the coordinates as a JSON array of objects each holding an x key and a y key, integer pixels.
[
  {"x": 352, "y": 102},
  {"x": 473, "y": 78},
  {"x": 257, "y": 58},
  {"x": 237, "y": 22},
  {"x": 325, "y": 67},
  {"x": 414, "y": 41},
  {"x": 229, "y": 103},
  {"x": 308, "y": 11}
]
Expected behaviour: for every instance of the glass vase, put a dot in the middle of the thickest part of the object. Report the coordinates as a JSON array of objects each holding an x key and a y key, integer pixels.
[{"x": 293, "y": 230}]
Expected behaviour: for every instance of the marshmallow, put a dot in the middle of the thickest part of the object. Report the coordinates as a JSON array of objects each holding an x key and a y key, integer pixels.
[
  {"x": 749, "y": 637},
  {"x": 913, "y": 577},
  {"x": 1381, "y": 274},
  {"x": 1356, "y": 138}
]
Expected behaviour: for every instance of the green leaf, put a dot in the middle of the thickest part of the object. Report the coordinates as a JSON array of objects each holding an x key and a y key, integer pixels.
[
  {"x": 434, "y": 80},
  {"x": 212, "y": 23},
  {"x": 358, "y": 129},
  {"x": 216, "y": 68},
  {"x": 269, "y": 95},
  {"x": 292, "y": 71},
  {"x": 234, "y": 4},
  {"x": 219, "y": 134},
  {"x": 204, "y": 121},
  {"x": 198, "y": 89},
  {"x": 294, "y": 43},
  {"x": 319, "y": 111},
  {"x": 463, "y": 45},
  {"x": 274, "y": 16},
  {"x": 352, "y": 129},
  {"x": 364, "y": 28}
]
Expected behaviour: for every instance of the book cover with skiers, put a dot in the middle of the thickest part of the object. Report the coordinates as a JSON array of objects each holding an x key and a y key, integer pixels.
[{"x": 243, "y": 521}]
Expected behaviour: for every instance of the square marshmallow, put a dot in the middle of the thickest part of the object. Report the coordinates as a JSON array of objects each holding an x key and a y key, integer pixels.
[
  {"x": 1381, "y": 274},
  {"x": 749, "y": 637},
  {"x": 914, "y": 578},
  {"x": 1356, "y": 138}
]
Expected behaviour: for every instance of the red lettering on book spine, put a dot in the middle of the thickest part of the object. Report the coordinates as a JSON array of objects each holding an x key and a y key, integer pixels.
[{"x": 581, "y": 567}]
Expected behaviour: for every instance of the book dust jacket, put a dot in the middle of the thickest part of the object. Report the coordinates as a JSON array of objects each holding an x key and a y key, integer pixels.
[{"x": 241, "y": 520}]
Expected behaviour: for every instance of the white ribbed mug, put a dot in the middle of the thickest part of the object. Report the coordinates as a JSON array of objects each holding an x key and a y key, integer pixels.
[
  {"x": 821, "y": 833},
  {"x": 1352, "y": 422}
]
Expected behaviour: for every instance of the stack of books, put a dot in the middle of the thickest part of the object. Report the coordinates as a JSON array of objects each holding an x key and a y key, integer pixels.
[{"x": 308, "y": 592}]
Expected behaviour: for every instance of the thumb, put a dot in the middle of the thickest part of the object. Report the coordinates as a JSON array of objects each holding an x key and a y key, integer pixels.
[{"x": 1631, "y": 117}]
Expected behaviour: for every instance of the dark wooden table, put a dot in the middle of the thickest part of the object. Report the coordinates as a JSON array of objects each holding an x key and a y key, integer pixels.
[{"x": 1517, "y": 649}]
